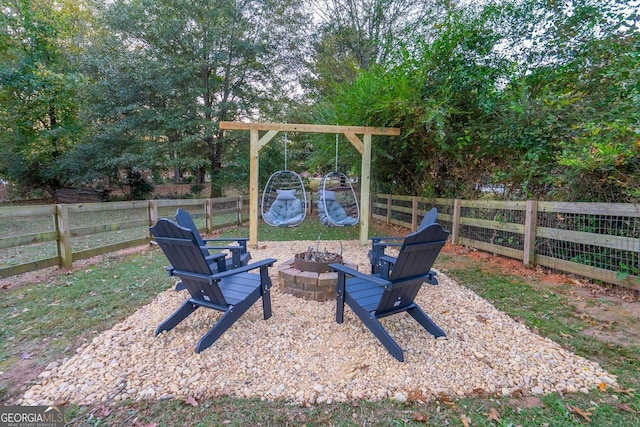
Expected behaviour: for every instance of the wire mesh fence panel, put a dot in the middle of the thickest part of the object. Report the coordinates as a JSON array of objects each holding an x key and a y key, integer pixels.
[
  {"x": 379, "y": 206},
  {"x": 599, "y": 238},
  {"x": 493, "y": 225},
  {"x": 445, "y": 211},
  {"x": 402, "y": 210}
]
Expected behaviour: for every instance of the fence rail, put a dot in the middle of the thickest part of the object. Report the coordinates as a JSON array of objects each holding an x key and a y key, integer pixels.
[
  {"x": 57, "y": 235},
  {"x": 599, "y": 241}
]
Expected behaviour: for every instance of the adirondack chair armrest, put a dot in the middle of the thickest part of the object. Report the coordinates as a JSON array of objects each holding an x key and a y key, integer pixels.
[
  {"x": 213, "y": 257},
  {"x": 229, "y": 239},
  {"x": 340, "y": 268},
  {"x": 239, "y": 249},
  {"x": 267, "y": 262},
  {"x": 241, "y": 241},
  {"x": 388, "y": 259},
  {"x": 387, "y": 240}
]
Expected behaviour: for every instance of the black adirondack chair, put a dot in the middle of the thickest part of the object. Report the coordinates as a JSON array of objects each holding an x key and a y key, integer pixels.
[
  {"x": 239, "y": 254},
  {"x": 372, "y": 297},
  {"x": 233, "y": 291},
  {"x": 379, "y": 244}
]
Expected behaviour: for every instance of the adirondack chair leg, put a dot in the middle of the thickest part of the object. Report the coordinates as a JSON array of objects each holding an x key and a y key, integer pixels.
[
  {"x": 266, "y": 292},
  {"x": 376, "y": 328},
  {"x": 227, "y": 319},
  {"x": 178, "y": 316},
  {"x": 340, "y": 289},
  {"x": 426, "y": 322},
  {"x": 180, "y": 286}
]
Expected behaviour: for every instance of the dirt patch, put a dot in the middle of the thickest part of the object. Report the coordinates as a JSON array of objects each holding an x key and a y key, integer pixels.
[
  {"x": 612, "y": 312},
  {"x": 526, "y": 402}
]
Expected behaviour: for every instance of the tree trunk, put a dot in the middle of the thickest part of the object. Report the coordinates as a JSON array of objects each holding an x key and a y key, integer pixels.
[
  {"x": 217, "y": 184},
  {"x": 200, "y": 175}
]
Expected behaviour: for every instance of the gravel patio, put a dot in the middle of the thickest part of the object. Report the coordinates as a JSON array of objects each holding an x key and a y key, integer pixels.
[{"x": 303, "y": 356}]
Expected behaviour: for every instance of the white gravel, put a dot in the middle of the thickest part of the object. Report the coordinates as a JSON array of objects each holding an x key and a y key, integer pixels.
[{"x": 302, "y": 355}]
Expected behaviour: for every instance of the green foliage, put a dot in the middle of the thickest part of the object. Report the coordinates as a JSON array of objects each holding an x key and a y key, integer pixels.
[
  {"x": 537, "y": 98},
  {"x": 39, "y": 113},
  {"x": 178, "y": 69}
]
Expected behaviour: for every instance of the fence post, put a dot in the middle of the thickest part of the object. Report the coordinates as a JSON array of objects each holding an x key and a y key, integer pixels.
[
  {"x": 414, "y": 214},
  {"x": 239, "y": 207},
  {"x": 153, "y": 213},
  {"x": 389, "y": 209},
  {"x": 530, "y": 225},
  {"x": 455, "y": 223},
  {"x": 208, "y": 215},
  {"x": 64, "y": 237}
]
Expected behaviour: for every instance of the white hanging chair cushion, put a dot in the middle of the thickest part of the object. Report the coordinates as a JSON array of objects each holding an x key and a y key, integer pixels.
[
  {"x": 286, "y": 195},
  {"x": 329, "y": 195},
  {"x": 286, "y": 209},
  {"x": 335, "y": 213}
]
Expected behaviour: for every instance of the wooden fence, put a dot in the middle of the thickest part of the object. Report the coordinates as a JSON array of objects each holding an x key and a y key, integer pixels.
[
  {"x": 599, "y": 241},
  {"x": 56, "y": 235}
]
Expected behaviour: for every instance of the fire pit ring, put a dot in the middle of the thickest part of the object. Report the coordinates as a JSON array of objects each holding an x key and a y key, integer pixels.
[{"x": 312, "y": 280}]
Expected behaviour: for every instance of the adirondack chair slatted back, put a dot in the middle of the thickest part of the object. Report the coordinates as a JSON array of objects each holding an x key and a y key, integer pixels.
[
  {"x": 429, "y": 217},
  {"x": 415, "y": 259},
  {"x": 187, "y": 260},
  {"x": 419, "y": 252},
  {"x": 185, "y": 220}
]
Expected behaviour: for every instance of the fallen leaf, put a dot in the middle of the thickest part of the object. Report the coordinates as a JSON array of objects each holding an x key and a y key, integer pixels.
[
  {"x": 602, "y": 386},
  {"x": 626, "y": 407},
  {"x": 465, "y": 420},
  {"x": 420, "y": 417},
  {"x": 584, "y": 414},
  {"x": 480, "y": 392},
  {"x": 104, "y": 411},
  {"x": 562, "y": 334},
  {"x": 493, "y": 415},
  {"x": 627, "y": 391},
  {"x": 417, "y": 396},
  {"x": 191, "y": 401},
  {"x": 446, "y": 399}
]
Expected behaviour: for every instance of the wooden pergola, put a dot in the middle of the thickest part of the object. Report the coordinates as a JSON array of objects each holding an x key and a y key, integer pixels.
[{"x": 350, "y": 132}]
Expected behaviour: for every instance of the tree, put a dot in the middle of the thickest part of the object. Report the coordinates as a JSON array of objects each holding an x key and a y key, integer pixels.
[
  {"x": 39, "y": 113},
  {"x": 191, "y": 65},
  {"x": 441, "y": 95},
  {"x": 537, "y": 98}
]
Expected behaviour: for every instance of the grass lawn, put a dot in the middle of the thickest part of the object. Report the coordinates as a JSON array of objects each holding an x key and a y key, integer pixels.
[{"x": 46, "y": 320}]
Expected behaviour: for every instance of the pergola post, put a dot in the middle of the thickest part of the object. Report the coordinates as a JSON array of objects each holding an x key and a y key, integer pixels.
[
  {"x": 254, "y": 165},
  {"x": 350, "y": 132},
  {"x": 365, "y": 185}
]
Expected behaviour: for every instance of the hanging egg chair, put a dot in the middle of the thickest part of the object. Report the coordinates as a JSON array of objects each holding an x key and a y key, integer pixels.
[
  {"x": 284, "y": 200},
  {"x": 337, "y": 200}
]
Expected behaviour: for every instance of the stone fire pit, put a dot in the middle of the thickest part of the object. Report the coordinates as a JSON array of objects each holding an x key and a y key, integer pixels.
[{"x": 309, "y": 276}]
